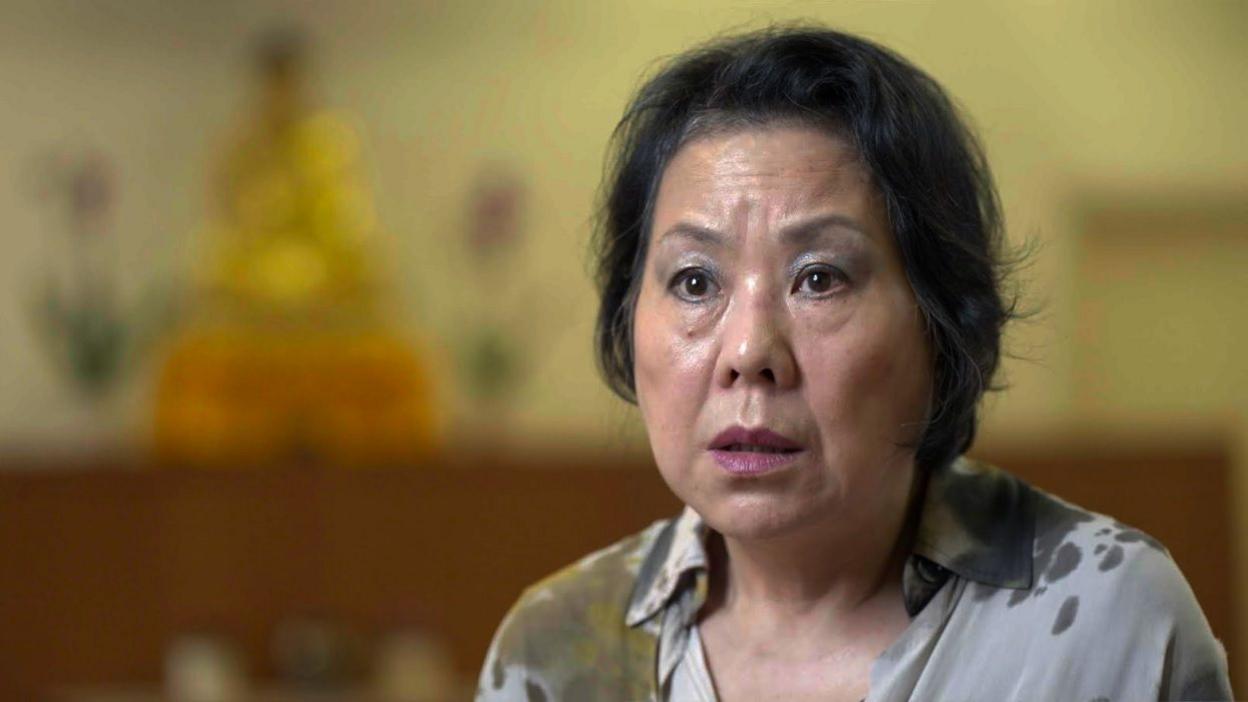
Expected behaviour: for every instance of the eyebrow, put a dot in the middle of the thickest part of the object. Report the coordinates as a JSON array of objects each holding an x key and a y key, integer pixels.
[
  {"x": 811, "y": 229},
  {"x": 801, "y": 233},
  {"x": 687, "y": 230}
]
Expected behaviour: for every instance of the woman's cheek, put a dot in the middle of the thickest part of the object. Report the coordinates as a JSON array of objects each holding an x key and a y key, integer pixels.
[
  {"x": 869, "y": 381},
  {"x": 674, "y": 370}
]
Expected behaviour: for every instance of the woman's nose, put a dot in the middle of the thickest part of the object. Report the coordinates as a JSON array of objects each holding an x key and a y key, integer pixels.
[{"x": 755, "y": 349}]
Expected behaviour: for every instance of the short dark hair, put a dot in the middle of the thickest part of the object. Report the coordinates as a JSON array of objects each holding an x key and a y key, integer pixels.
[{"x": 929, "y": 168}]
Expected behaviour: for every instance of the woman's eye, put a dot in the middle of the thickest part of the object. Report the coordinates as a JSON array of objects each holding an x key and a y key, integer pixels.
[
  {"x": 819, "y": 280},
  {"x": 694, "y": 284}
]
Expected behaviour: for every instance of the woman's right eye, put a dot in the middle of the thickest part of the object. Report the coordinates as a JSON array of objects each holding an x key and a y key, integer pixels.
[{"x": 694, "y": 285}]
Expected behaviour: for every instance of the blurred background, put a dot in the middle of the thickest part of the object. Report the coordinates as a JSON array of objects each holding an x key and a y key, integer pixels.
[{"x": 296, "y": 383}]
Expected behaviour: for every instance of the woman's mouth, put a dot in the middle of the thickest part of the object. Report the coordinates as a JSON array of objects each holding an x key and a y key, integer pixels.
[
  {"x": 749, "y": 463},
  {"x": 748, "y": 452},
  {"x": 756, "y": 448}
]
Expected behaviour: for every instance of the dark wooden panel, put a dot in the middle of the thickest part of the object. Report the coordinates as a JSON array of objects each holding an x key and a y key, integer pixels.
[
  {"x": 471, "y": 539},
  {"x": 78, "y": 572},
  {"x": 99, "y": 570}
]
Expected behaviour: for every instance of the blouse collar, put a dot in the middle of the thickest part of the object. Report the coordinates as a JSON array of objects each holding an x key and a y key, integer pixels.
[{"x": 975, "y": 521}]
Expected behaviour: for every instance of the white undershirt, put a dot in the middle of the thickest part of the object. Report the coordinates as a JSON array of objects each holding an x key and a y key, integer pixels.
[{"x": 691, "y": 679}]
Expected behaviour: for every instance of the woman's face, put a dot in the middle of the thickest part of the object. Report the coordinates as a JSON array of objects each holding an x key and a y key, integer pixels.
[{"x": 781, "y": 363}]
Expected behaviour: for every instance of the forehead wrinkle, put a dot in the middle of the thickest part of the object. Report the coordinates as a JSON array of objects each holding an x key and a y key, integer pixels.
[
  {"x": 729, "y": 154},
  {"x": 839, "y": 173},
  {"x": 722, "y": 182},
  {"x": 755, "y": 190}
]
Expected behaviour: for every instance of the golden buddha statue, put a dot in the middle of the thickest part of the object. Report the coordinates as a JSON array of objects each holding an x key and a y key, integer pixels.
[
  {"x": 293, "y": 212},
  {"x": 288, "y": 357}
]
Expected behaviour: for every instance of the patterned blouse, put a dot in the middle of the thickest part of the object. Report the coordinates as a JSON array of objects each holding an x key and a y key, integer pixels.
[{"x": 1013, "y": 594}]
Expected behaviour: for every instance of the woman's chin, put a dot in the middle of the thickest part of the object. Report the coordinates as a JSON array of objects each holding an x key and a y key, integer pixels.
[{"x": 757, "y": 518}]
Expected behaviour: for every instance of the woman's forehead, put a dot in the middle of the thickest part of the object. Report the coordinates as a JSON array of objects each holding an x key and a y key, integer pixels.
[
  {"x": 773, "y": 157},
  {"x": 776, "y": 172}
]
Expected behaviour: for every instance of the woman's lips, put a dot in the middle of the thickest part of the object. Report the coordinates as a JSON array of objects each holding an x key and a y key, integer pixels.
[
  {"x": 738, "y": 436},
  {"x": 753, "y": 462},
  {"x": 743, "y": 451}
]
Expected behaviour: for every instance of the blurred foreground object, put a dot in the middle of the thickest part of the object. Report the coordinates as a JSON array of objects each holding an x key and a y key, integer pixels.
[
  {"x": 289, "y": 356},
  {"x": 414, "y": 666},
  {"x": 200, "y": 668}
]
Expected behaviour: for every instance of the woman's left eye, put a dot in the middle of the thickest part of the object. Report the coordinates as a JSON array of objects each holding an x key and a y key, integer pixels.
[{"x": 819, "y": 280}]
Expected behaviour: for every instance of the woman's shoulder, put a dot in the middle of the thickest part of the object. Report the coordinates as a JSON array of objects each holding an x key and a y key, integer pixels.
[
  {"x": 1076, "y": 548},
  {"x": 606, "y": 575},
  {"x": 1101, "y": 585},
  {"x": 568, "y": 631}
]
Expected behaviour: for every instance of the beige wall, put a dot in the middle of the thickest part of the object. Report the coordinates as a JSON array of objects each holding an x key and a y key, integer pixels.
[
  {"x": 1077, "y": 106},
  {"x": 1078, "y": 103}
]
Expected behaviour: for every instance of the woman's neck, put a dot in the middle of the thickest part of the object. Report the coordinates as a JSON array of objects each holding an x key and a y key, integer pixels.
[{"x": 824, "y": 570}]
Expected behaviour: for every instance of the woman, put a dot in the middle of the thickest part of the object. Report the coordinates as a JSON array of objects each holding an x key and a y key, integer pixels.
[{"x": 801, "y": 289}]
